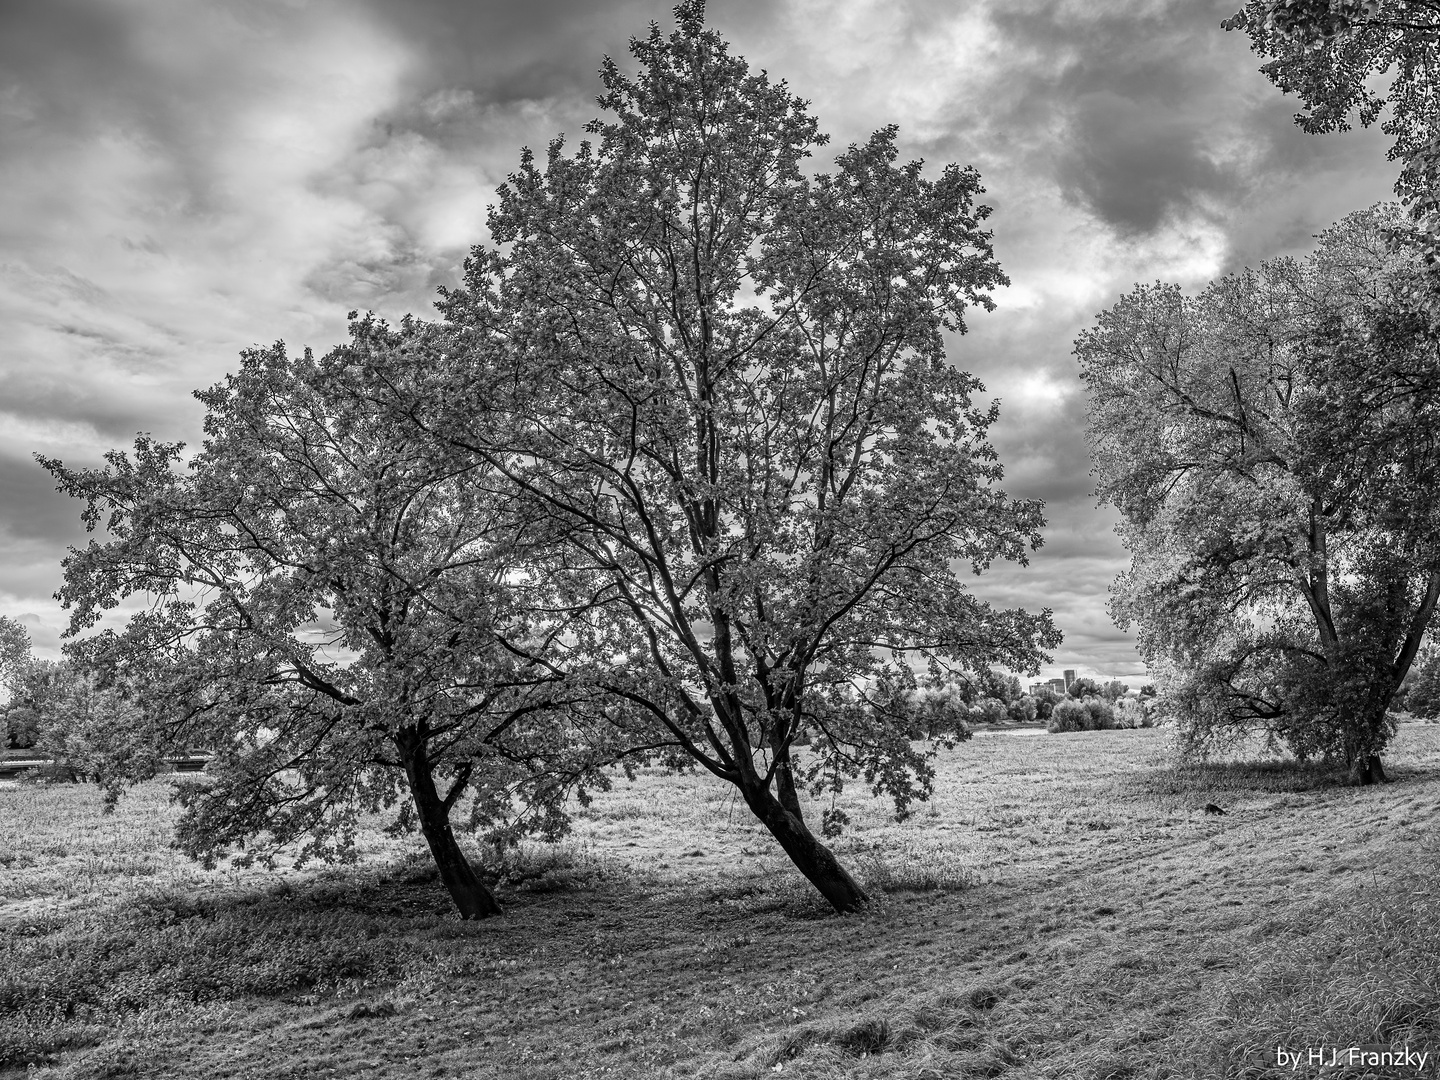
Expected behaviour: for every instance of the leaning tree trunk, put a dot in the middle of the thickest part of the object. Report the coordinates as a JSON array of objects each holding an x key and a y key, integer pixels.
[
  {"x": 472, "y": 897},
  {"x": 812, "y": 858}
]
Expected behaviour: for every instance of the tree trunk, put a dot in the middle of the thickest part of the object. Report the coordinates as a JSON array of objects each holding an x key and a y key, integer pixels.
[
  {"x": 472, "y": 898},
  {"x": 1367, "y": 770},
  {"x": 810, "y": 856},
  {"x": 785, "y": 783}
]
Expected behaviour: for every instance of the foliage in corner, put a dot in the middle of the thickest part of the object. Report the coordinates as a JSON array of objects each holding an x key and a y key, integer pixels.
[{"x": 1331, "y": 52}]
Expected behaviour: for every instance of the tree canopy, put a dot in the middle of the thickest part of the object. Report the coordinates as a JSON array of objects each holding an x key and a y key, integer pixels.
[
  {"x": 343, "y": 614},
  {"x": 728, "y": 384},
  {"x": 1271, "y": 447}
]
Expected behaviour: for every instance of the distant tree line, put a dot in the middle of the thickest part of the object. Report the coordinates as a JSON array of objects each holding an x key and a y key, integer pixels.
[{"x": 989, "y": 697}]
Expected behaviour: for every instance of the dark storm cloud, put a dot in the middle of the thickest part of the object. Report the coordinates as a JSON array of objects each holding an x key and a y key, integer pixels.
[
  {"x": 34, "y": 512},
  {"x": 1129, "y": 98},
  {"x": 506, "y": 52},
  {"x": 1153, "y": 111}
]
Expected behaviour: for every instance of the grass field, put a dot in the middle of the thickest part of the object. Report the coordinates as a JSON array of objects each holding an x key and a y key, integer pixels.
[{"x": 1063, "y": 909}]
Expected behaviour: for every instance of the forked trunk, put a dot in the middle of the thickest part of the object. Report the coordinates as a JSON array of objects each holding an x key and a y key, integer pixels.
[
  {"x": 812, "y": 858},
  {"x": 472, "y": 897}
]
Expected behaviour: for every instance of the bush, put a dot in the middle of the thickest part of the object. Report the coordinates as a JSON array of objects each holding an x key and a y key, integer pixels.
[
  {"x": 1089, "y": 714},
  {"x": 1067, "y": 715},
  {"x": 1045, "y": 700},
  {"x": 1131, "y": 713},
  {"x": 1022, "y": 710},
  {"x": 22, "y": 727},
  {"x": 1101, "y": 714},
  {"x": 988, "y": 710}
]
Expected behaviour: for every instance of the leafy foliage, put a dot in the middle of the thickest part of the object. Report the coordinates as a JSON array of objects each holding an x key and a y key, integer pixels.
[
  {"x": 1420, "y": 693},
  {"x": 1090, "y": 713},
  {"x": 14, "y": 651},
  {"x": 1271, "y": 446},
  {"x": 77, "y": 719},
  {"x": 340, "y": 613},
  {"x": 20, "y": 719},
  {"x": 1329, "y": 52},
  {"x": 729, "y": 383},
  {"x": 1045, "y": 701}
]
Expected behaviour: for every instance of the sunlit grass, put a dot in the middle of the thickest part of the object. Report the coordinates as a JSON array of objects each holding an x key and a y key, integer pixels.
[{"x": 1062, "y": 908}]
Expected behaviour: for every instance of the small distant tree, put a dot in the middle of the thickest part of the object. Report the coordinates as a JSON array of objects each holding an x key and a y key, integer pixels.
[
  {"x": 1084, "y": 687},
  {"x": 1022, "y": 710},
  {"x": 988, "y": 710},
  {"x": 1130, "y": 713},
  {"x": 1420, "y": 693},
  {"x": 1004, "y": 688},
  {"x": 64, "y": 714},
  {"x": 1114, "y": 690},
  {"x": 14, "y": 651},
  {"x": 943, "y": 712},
  {"x": 1045, "y": 701},
  {"x": 21, "y": 721},
  {"x": 22, "y": 726},
  {"x": 81, "y": 724}
]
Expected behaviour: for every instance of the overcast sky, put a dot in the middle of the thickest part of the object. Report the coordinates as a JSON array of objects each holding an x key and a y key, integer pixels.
[{"x": 181, "y": 180}]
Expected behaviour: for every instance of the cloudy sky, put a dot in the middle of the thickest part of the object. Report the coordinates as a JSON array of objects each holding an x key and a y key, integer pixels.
[{"x": 179, "y": 181}]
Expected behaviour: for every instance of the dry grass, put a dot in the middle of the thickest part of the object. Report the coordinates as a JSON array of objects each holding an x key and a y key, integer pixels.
[{"x": 1063, "y": 909}]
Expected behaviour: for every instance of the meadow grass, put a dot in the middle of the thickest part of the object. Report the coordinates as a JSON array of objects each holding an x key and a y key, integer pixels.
[{"x": 1062, "y": 908}]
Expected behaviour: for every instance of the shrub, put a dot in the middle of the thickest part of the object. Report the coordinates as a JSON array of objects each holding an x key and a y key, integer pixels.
[
  {"x": 988, "y": 710},
  {"x": 1088, "y": 714},
  {"x": 1022, "y": 710},
  {"x": 1099, "y": 714},
  {"x": 22, "y": 727},
  {"x": 1130, "y": 713},
  {"x": 1067, "y": 715},
  {"x": 1045, "y": 700}
]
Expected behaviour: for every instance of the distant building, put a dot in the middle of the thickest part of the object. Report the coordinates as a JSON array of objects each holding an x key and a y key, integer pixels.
[
  {"x": 1069, "y": 678},
  {"x": 1058, "y": 685}
]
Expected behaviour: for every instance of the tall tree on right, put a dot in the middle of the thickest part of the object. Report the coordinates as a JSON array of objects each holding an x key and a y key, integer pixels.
[
  {"x": 1273, "y": 447},
  {"x": 1329, "y": 53}
]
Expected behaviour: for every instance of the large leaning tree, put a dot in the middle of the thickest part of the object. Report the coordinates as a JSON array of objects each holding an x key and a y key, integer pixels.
[
  {"x": 1273, "y": 447},
  {"x": 1337, "y": 56},
  {"x": 728, "y": 389},
  {"x": 347, "y": 618}
]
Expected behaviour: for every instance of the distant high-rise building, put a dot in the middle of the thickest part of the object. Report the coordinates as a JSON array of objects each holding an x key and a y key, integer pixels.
[
  {"x": 1069, "y": 677},
  {"x": 1058, "y": 685}
]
